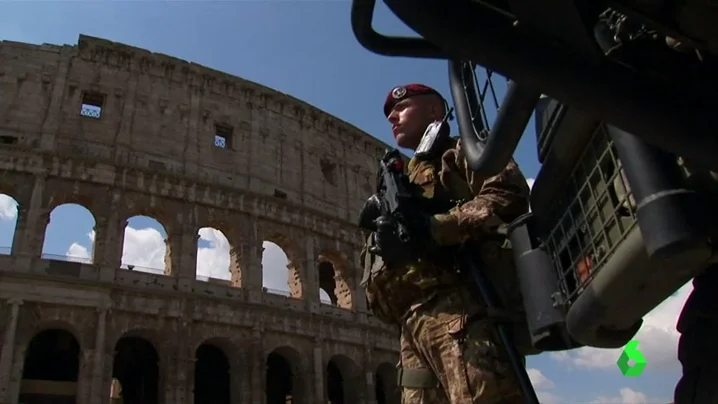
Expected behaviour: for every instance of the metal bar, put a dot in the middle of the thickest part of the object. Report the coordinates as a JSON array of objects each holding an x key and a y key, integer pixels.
[
  {"x": 491, "y": 157},
  {"x": 362, "y": 15},
  {"x": 671, "y": 118}
]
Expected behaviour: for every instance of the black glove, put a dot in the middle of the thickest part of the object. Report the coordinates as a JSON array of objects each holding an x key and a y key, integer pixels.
[
  {"x": 397, "y": 239},
  {"x": 369, "y": 213},
  {"x": 391, "y": 242},
  {"x": 401, "y": 242},
  {"x": 418, "y": 225}
]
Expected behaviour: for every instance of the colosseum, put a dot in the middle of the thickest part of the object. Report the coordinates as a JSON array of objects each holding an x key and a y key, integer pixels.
[{"x": 125, "y": 133}]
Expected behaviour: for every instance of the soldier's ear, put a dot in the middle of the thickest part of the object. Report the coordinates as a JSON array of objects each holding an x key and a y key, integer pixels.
[{"x": 437, "y": 111}]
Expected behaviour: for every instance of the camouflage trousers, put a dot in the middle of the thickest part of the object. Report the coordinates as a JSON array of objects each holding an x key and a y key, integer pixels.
[{"x": 468, "y": 364}]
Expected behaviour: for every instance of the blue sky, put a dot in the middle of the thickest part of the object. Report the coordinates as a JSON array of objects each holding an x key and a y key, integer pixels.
[{"x": 306, "y": 49}]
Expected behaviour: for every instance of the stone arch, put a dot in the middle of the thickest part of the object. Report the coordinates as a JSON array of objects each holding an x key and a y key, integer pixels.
[
  {"x": 49, "y": 322},
  {"x": 223, "y": 343},
  {"x": 146, "y": 242},
  {"x": 7, "y": 186},
  {"x": 18, "y": 186},
  {"x": 63, "y": 192},
  {"x": 344, "y": 382},
  {"x": 136, "y": 367},
  {"x": 212, "y": 377},
  {"x": 386, "y": 389},
  {"x": 51, "y": 367},
  {"x": 8, "y": 222},
  {"x": 216, "y": 259},
  {"x": 146, "y": 205},
  {"x": 70, "y": 233},
  {"x": 284, "y": 380},
  {"x": 333, "y": 269},
  {"x": 272, "y": 260},
  {"x": 129, "y": 330}
]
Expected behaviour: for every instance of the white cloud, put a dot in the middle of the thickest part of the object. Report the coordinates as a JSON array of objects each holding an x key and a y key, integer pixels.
[
  {"x": 541, "y": 384},
  {"x": 658, "y": 339},
  {"x": 546, "y": 397},
  {"x": 274, "y": 268},
  {"x": 78, "y": 252},
  {"x": 274, "y": 271},
  {"x": 539, "y": 381},
  {"x": 628, "y": 396},
  {"x": 144, "y": 249},
  {"x": 8, "y": 208},
  {"x": 213, "y": 261}
]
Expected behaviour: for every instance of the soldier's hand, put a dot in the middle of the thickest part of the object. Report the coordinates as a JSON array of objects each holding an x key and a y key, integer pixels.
[
  {"x": 445, "y": 230},
  {"x": 419, "y": 226},
  {"x": 390, "y": 242},
  {"x": 397, "y": 239},
  {"x": 369, "y": 213}
]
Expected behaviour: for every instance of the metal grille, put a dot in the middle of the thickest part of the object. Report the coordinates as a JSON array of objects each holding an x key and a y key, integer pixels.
[
  {"x": 593, "y": 217},
  {"x": 488, "y": 89},
  {"x": 223, "y": 134},
  {"x": 485, "y": 83}
]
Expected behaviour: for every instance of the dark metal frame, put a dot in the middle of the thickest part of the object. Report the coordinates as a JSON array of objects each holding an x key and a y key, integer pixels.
[{"x": 637, "y": 103}]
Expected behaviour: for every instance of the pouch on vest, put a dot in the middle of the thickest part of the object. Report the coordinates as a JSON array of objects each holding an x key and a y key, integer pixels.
[{"x": 373, "y": 266}]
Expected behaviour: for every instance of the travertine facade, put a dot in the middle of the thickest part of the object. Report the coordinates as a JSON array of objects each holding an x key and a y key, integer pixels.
[{"x": 125, "y": 132}]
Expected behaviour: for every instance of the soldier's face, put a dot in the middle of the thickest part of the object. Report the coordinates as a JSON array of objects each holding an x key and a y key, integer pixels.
[{"x": 410, "y": 117}]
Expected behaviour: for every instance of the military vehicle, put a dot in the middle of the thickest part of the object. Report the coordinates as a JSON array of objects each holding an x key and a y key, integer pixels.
[{"x": 620, "y": 210}]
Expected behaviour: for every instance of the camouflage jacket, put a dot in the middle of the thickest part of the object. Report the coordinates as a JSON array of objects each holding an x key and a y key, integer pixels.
[{"x": 393, "y": 292}]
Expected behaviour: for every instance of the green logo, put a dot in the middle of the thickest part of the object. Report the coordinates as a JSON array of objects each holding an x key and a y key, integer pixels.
[{"x": 631, "y": 353}]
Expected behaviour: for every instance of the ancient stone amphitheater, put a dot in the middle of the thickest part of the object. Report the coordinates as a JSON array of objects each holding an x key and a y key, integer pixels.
[{"x": 125, "y": 132}]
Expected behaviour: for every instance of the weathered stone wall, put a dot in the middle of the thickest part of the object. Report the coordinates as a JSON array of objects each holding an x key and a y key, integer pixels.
[{"x": 285, "y": 172}]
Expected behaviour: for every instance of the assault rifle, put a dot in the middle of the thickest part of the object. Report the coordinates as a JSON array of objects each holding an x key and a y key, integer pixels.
[
  {"x": 392, "y": 194},
  {"x": 393, "y": 211}
]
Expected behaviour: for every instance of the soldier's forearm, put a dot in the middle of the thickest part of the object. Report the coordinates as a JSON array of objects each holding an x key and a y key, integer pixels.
[{"x": 499, "y": 199}]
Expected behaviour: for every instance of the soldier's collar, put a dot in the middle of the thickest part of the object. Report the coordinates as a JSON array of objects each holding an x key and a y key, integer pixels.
[
  {"x": 450, "y": 143},
  {"x": 412, "y": 164}
]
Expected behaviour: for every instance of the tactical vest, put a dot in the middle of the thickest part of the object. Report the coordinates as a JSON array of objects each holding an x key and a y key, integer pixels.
[{"x": 392, "y": 292}]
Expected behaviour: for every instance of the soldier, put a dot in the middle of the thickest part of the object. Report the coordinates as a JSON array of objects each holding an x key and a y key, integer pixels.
[{"x": 449, "y": 349}]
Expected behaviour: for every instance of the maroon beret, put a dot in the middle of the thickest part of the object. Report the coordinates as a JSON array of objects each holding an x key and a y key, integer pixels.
[{"x": 403, "y": 92}]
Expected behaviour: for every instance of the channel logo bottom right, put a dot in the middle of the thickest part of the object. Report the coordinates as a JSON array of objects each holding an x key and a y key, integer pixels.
[{"x": 631, "y": 353}]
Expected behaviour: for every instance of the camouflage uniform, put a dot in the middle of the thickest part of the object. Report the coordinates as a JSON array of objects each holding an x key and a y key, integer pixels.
[{"x": 449, "y": 350}]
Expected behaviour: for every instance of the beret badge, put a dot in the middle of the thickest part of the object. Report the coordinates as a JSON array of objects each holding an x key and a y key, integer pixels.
[{"x": 398, "y": 92}]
